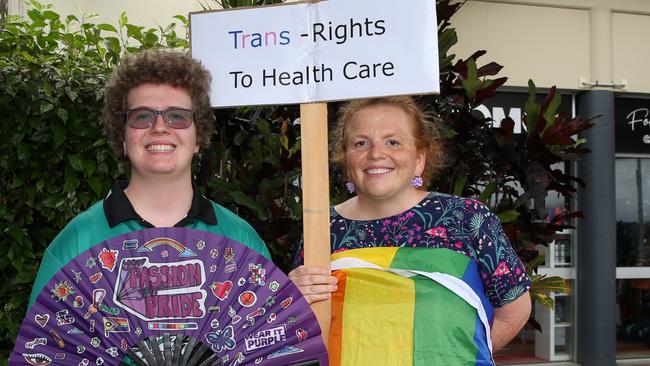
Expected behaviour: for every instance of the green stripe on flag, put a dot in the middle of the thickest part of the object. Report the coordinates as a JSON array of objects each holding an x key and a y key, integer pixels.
[
  {"x": 443, "y": 326},
  {"x": 432, "y": 260}
]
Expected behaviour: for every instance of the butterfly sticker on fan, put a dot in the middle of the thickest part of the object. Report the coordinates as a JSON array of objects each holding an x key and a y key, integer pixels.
[{"x": 169, "y": 296}]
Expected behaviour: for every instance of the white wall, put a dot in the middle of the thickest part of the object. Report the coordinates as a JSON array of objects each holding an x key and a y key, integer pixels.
[
  {"x": 556, "y": 42},
  {"x": 631, "y": 49},
  {"x": 546, "y": 44}
]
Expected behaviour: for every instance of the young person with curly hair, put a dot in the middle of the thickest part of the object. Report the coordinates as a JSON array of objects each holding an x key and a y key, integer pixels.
[{"x": 157, "y": 117}]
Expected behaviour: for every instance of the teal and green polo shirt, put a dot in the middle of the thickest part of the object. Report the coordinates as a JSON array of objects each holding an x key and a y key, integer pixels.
[{"x": 115, "y": 215}]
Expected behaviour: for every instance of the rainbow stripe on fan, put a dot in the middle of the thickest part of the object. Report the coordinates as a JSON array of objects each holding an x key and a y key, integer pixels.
[
  {"x": 408, "y": 306},
  {"x": 172, "y": 326}
]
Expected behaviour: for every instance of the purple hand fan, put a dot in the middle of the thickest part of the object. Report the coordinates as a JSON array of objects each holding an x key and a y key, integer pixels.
[{"x": 169, "y": 296}]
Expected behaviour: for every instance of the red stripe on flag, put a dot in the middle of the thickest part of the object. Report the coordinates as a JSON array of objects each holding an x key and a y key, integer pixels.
[{"x": 336, "y": 326}]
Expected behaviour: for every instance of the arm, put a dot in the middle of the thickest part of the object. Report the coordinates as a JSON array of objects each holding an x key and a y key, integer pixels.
[
  {"x": 315, "y": 283},
  {"x": 508, "y": 320}
]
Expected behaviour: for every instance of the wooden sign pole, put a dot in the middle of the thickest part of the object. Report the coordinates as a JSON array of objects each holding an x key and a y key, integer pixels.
[{"x": 315, "y": 198}]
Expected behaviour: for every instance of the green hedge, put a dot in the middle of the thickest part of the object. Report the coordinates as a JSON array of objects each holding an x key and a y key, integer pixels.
[{"x": 54, "y": 160}]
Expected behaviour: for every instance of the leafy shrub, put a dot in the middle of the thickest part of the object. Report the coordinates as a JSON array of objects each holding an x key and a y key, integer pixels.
[{"x": 54, "y": 158}]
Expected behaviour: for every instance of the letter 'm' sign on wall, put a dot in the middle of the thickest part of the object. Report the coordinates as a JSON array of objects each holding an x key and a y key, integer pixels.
[{"x": 327, "y": 50}]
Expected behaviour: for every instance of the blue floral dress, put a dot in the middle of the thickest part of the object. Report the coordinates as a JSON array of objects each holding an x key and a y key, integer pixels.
[{"x": 442, "y": 221}]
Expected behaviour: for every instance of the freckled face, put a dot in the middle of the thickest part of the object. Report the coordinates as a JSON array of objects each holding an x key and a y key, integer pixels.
[
  {"x": 160, "y": 149},
  {"x": 381, "y": 155}
]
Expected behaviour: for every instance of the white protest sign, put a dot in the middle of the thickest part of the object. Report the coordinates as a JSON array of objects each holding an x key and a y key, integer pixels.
[{"x": 327, "y": 50}]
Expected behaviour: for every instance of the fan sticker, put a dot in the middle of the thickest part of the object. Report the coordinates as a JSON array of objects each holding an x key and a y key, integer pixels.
[
  {"x": 99, "y": 361},
  {"x": 57, "y": 338},
  {"x": 59, "y": 356},
  {"x": 81, "y": 349},
  {"x": 213, "y": 268},
  {"x": 214, "y": 309},
  {"x": 84, "y": 362},
  {"x": 238, "y": 359},
  {"x": 37, "y": 359},
  {"x": 78, "y": 302},
  {"x": 258, "y": 274},
  {"x": 112, "y": 351},
  {"x": 234, "y": 318},
  {"x": 250, "y": 318},
  {"x": 247, "y": 299},
  {"x": 75, "y": 330},
  {"x": 115, "y": 325},
  {"x": 110, "y": 310},
  {"x": 124, "y": 345},
  {"x": 95, "y": 342},
  {"x": 183, "y": 251},
  {"x": 301, "y": 334},
  {"x": 274, "y": 286},
  {"x": 200, "y": 245},
  {"x": 265, "y": 338},
  {"x": 241, "y": 281},
  {"x": 36, "y": 342},
  {"x": 108, "y": 258},
  {"x": 270, "y": 301},
  {"x": 95, "y": 278},
  {"x": 91, "y": 325},
  {"x": 221, "y": 289},
  {"x": 229, "y": 257},
  {"x": 62, "y": 318},
  {"x": 222, "y": 339},
  {"x": 90, "y": 262},
  {"x": 77, "y": 275},
  {"x": 288, "y": 350},
  {"x": 214, "y": 253},
  {"x": 271, "y": 318},
  {"x": 286, "y": 302},
  {"x": 130, "y": 244},
  {"x": 62, "y": 290},
  {"x": 42, "y": 319},
  {"x": 98, "y": 297},
  {"x": 153, "y": 291}
]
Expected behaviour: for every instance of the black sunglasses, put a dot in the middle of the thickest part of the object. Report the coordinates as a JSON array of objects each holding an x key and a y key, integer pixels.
[{"x": 142, "y": 118}]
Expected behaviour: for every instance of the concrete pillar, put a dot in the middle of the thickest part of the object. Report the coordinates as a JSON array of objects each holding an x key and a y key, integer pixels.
[{"x": 596, "y": 265}]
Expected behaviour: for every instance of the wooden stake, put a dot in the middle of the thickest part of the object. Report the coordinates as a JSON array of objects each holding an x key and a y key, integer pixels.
[{"x": 315, "y": 198}]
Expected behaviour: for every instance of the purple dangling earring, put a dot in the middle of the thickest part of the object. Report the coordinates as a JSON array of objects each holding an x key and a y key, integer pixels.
[
  {"x": 417, "y": 181},
  {"x": 349, "y": 186}
]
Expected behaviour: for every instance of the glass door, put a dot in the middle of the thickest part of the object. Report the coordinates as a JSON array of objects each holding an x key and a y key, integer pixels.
[{"x": 633, "y": 257}]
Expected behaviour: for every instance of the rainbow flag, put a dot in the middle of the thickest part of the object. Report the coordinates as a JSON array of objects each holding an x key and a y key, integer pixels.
[{"x": 408, "y": 306}]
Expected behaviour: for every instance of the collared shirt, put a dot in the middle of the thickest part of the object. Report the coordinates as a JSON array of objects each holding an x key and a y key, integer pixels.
[
  {"x": 115, "y": 216},
  {"x": 118, "y": 208}
]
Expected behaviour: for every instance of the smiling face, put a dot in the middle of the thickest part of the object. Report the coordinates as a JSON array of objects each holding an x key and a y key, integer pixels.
[
  {"x": 159, "y": 149},
  {"x": 381, "y": 155}
]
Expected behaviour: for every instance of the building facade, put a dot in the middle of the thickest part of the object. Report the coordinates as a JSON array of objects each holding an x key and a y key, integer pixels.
[{"x": 595, "y": 52}]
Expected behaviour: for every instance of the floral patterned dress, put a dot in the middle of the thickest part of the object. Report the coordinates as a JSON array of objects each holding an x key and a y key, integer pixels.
[{"x": 442, "y": 221}]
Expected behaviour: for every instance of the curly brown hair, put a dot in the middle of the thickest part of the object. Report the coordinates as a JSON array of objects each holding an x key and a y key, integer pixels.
[
  {"x": 425, "y": 132},
  {"x": 174, "y": 68}
]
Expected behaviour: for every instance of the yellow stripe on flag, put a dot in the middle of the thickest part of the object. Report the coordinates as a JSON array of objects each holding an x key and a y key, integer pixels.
[
  {"x": 381, "y": 256},
  {"x": 381, "y": 306}
]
